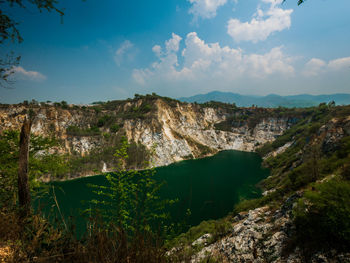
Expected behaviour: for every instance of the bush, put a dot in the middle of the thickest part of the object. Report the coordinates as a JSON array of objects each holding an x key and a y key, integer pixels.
[
  {"x": 114, "y": 128},
  {"x": 103, "y": 120},
  {"x": 322, "y": 217},
  {"x": 76, "y": 131},
  {"x": 64, "y": 104},
  {"x": 35, "y": 239},
  {"x": 217, "y": 229}
]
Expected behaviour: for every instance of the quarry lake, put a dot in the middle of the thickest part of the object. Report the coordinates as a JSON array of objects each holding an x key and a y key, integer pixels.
[{"x": 209, "y": 187}]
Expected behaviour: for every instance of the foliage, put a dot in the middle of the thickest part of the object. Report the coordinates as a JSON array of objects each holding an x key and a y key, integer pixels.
[
  {"x": 9, "y": 31},
  {"x": 137, "y": 112},
  {"x": 36, "y": 240},
  {"x": 322, "y": 217},
  {"x": 76, "y": 131},
  {"x": 238, "y": 117},
  {"x": 217, "y": 229},
  {"x": 299, "y": 1},
  {"x": 7, "y": 65},
  {"x": 138, "y": 157},
  {"x": 218, "y": 105},
  {"x": 183, "y": 243},
  {"x": 305, "y": 161},
  {"x": 114, "y": 128},
  {"x": 64, "y": 104},
  {"x": 246, "y": 205},
  {"x": 130, "y": 200},
  {"x": 41, "y": 162},
  {"x": 104, "y": 120}
]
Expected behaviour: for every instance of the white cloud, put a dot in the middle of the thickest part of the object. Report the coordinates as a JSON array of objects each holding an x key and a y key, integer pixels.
[
  {"x": 316, "y": 67},
  {"x": 172, "y": 45},
  {"x": 21, "y": 73},
  {"x": 339, "y": 64},
  {"x": 262, "y": 25},
  {"x": 122, "y": 51},
  {"x": 166, "y": 64},
  {"x": 205, "y": 8},
  {"x": 203, "y": 63}
]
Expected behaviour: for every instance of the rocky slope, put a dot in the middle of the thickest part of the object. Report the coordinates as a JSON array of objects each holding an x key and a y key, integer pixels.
[
  {"x": 260, "y": 236},
  {"x": 313, "y": 149},
  {"x": 310, "y": 155},
  {"x": 170, "y": 130}
]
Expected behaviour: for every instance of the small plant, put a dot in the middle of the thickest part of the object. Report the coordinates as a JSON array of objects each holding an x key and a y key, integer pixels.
[
  {"x": 104, "y": 120},
  {"x": 106, "y": 135},
  {"x": 114, "y": 128},
  {"x": 130, "y": 199}
]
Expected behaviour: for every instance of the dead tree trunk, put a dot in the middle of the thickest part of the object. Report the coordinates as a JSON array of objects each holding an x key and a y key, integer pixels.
[{"x": 23, "y": 185}]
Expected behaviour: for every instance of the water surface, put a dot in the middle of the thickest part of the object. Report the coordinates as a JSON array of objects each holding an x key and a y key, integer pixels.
[{"x": 209, "y": 187}]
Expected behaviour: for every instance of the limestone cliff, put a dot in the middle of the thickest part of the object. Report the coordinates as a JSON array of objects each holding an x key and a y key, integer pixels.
[
  {"x": 311, "y": 155},
  {"x": 171, "y": 130}
]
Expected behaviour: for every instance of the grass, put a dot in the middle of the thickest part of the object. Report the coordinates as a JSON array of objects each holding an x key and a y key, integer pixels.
[{"x": 34, "y": 239}]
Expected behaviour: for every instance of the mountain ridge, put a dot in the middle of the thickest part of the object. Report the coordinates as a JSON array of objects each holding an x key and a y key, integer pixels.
[{"x": 270, "y": 100}]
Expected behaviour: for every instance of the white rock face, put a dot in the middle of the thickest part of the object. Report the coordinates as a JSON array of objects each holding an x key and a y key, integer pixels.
[
  {"x": 184, "y": 132},
  {"x": 258, "y": 238},
  {"x": 171, "y": 133}
]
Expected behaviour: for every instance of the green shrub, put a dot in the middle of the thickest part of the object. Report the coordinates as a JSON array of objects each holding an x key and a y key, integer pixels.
[
  {"x": 103, "y": 120},
  {"x": 76, "y": 131},
  {"x": 322, "y": 217},
  {"x": 106, "y": 135},
  {"x": 217, "y": 229},
  {"x": 64, "y": 104},
  {"x": 114, "y": 128}
]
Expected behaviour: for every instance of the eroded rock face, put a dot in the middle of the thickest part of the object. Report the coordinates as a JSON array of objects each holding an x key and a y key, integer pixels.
[
  {"x": 261, "y": 237},
  {"x": 171, "y": 133},
  {"x": 184, "y": 131}
]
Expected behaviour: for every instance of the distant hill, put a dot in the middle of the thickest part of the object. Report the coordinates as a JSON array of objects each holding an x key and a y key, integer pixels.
[{"x": 272, "y": 100}]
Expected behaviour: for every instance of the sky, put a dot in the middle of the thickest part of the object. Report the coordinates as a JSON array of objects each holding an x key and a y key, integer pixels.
[{"x": 112, "y": 49}]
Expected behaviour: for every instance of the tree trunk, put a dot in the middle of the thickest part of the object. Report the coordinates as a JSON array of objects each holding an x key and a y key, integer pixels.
[{"x": 23, "y": 186}]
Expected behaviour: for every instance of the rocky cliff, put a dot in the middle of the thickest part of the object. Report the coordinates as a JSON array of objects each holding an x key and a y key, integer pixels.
[
  {"x": 303, "y": 215},
  {"x": 172, "y": 131}
]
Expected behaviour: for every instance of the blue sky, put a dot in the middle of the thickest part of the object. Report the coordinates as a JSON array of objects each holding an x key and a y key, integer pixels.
[{"x": 106, "y": 50}]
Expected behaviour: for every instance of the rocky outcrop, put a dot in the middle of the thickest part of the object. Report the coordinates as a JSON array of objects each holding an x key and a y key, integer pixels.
[
  {"x": 269, "y": 235},
  {"x": 172, "y": 132},
  {"x": 261, "y": 236},
  {"x": 185, "y": 131}
]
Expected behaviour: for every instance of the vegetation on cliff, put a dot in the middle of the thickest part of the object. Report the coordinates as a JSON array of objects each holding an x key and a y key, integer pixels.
[
  {"x": 43, "y": 160},
  {"x": 123, "y": 233},
  {"x": 310, "y": 176},
  {"x": 316, "y": 163},
  {"x": 310, "y": 161}
]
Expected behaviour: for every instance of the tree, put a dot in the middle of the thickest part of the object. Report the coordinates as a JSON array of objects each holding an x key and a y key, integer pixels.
[
  {"x": 23, "y": 185},
  {"x": 9, "y": 32},
  {"x": 41, "y": 162},
  {"x": 130, "y": 198}
]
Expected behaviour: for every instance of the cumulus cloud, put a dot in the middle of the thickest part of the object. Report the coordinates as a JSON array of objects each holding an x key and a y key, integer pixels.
[
  {"x": 262, "y": 25},
  {"x": 202, "y": 62},
  {"x": 339, "y": 64},
  {"x": 20, "y": 72},
  {"x": 122, "y": 52},
  {"x": 205, "y": 8},
  {"x": 315, "y": 67}
]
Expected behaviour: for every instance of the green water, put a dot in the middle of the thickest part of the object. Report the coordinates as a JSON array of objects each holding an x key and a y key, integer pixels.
[{"x": 209, "y": 187}]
